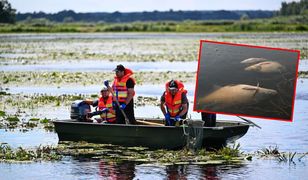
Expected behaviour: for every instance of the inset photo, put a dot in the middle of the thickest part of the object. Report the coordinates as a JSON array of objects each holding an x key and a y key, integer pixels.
[{"x": 246, "y": 80}]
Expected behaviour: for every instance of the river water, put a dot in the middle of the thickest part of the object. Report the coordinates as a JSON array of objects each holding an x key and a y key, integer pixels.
[{"x": 288, "y": 137}]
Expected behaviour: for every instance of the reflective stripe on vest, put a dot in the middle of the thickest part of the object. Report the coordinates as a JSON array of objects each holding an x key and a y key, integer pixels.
[{"x": 109, "y": 117}]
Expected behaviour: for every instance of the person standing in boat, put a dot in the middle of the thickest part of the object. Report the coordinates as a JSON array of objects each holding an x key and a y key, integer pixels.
[
  {"x": 123, "y": 88},
  {"x": 174, "y": 102},
  {"x": 105, "y": 107}
]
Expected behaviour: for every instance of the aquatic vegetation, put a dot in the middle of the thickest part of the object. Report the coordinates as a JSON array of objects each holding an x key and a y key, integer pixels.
[
  {"x": 142, "y": 100},
  {"x": 289, "y": 157},
  {"x": 71, "y": 48},
  {"x": 31, "y": 125},
  {"x": 34, "y": 119},
  {"x": 3, "y": 93},
  {"x": 45, "y": 121},
  {"x": 303, "y": 74},
  {"x": 2, "y": 114},
  {"x": 142, "y": 154},
  {"x": 286, "y": 157},
  {"x": 229, "y": 152},
  {"x": 75, "y": 78},
  {"x": 48, "y": 126},
  {"x": 39, "y": 100},
  {"x": 14, "y": 122},
  {"x": 12, "y": 119},
  {"x": 41, "y": 153},
  {"x": 270, "y": 151},
  {"x": 114, "y": 50}
]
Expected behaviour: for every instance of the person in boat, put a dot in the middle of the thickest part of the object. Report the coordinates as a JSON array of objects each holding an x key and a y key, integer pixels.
[
  {"x": 123, "y": 88},
  {"x": 104, "y": 107},
  {"x": 174, "y": 102},
  {"x": 209, "y": 119}
]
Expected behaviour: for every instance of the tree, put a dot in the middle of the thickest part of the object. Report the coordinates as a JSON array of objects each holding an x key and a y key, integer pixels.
[
  {"x": 293, "y": 8},
  {"x": 7, "y": 13},
  {"x": 244, "y": 17}
]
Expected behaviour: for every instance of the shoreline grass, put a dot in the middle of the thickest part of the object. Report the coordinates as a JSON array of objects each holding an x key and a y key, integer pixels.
[{"x": 279, "y": 23}]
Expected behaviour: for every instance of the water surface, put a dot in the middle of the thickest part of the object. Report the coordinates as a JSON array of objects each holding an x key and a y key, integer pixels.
[{"x": 287, "y": 136}]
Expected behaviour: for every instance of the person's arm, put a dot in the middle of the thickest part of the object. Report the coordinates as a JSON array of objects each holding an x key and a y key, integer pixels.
[
  {"x": 162, "y": 107},
  {"x": 130, "y": 90},
  {"x": 130, "y": 95},
  {"x": 110, "y": 89},
  {"x": 184, "y": 105},
  {"x": 184, "y": 110},
  {"x": 162, "y": 104}
]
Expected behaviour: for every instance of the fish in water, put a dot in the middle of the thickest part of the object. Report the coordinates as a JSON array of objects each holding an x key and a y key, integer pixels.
[
  {"x": 253, "y": 60},
  {"x": 266, "y": 67},
  {"x": 235, "y": 95}
]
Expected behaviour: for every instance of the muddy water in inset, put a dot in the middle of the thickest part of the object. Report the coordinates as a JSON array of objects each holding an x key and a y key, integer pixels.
[{"x": 221, "y": 66}]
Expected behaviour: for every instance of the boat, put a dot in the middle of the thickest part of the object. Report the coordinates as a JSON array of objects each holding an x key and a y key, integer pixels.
[{"x": 149, "y": 133}]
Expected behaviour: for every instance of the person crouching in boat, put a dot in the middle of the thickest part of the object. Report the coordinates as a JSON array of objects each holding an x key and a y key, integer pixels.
[
  {"x": 104, "y": 107},
  {"x": 174, "y": 102}
]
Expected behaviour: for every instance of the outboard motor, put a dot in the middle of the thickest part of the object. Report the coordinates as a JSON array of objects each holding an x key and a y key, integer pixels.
[{"x": 79, "y": 110}]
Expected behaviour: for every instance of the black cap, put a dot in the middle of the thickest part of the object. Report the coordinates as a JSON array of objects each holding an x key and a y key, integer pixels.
[
  {"x": 119, "y": 67},
  {"x": 173, "y": 85}
]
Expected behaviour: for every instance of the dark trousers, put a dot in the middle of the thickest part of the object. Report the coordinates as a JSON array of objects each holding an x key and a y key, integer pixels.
[
  {"x": 209, "y": 119},
  {"x": 129, "y": 111}
]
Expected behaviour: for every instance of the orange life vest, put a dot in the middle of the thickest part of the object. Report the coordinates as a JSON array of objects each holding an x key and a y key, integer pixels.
[
  {"x": 119, "y": 85},
  {"x": 174, "y": 103},
  {"x": 108, "y": 116}
]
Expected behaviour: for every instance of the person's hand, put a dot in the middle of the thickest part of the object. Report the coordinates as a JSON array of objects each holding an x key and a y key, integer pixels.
[
  {"x": 122, "y": 106},
  {"x": 105, "y": 110},
  {"x": 89, "y": 115},
  {"x": 167, "y": 116},
  {"x": 106, "y": 83},
  {"x": 177, "y": 118},
  {"x": 99, "y": 120}
]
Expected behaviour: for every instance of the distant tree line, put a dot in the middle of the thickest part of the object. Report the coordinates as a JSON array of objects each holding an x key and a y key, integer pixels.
[
  {"x": 7, "y": 13},
  {"x": 294, "y": 8},
  {"x": 116, "y": 17}
]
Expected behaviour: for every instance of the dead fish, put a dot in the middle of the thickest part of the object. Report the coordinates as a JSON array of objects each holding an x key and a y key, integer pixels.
[
  {"x": 234, "y": 95},
  {"x": 253, "y": 60},
  {"x": 266, "y": 67}
]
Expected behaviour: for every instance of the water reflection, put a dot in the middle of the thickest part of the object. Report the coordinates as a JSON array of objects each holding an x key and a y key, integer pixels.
[
  {"x": 114, "y": 170},
  {"x": 210, "y": 172},
  {"x": 131, "y": 170},
  {"x": 70, "y": 168}
]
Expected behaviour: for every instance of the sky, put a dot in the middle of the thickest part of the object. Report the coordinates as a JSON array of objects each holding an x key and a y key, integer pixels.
[{"x": 53, "y": 6}]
